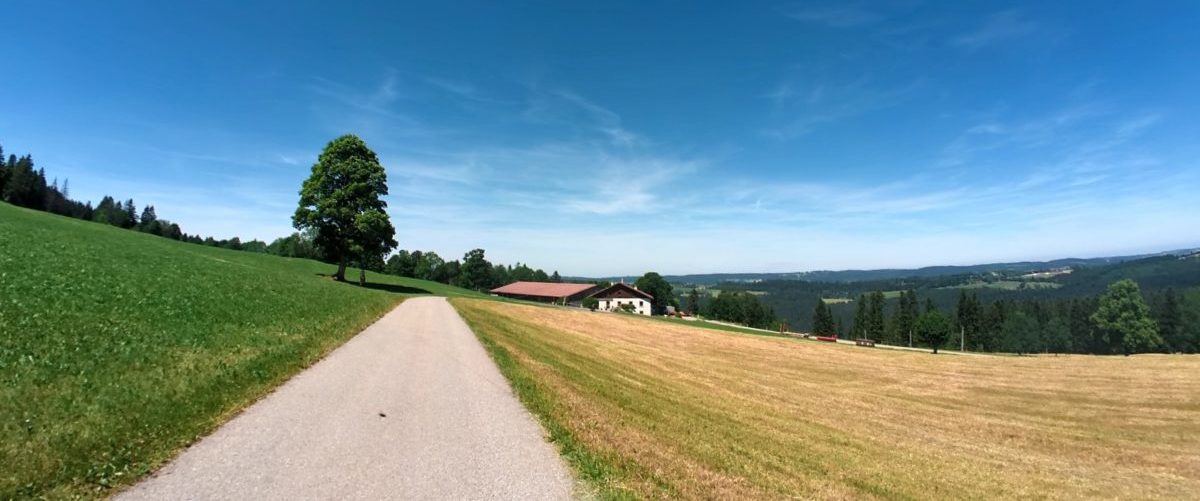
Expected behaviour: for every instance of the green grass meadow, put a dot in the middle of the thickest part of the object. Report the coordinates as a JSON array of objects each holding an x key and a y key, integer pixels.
[{"x": 117, "y": 349}]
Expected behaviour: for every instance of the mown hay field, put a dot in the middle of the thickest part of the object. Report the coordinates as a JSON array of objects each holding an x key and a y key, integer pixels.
[{"x": 652, "y": 409}]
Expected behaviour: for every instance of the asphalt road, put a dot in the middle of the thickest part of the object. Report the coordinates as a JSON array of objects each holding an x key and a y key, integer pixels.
[{"x": 411, "y": 408}]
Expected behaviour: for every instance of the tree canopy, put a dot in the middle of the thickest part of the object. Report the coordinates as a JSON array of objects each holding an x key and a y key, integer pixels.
[
  {"x": 1124, "y": 319},
  {"x": 823, "y": 324},
  {"x": 654, "y": 284},
  {"x": 934, "y": 328},
  {"x": 341, "y": 201}
]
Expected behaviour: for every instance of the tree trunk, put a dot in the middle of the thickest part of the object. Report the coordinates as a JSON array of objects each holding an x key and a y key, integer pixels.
[
  {"x": 340, "y": 276},
  {"x": 935, "y": 351},
  {"x": 362, "y": 277}
]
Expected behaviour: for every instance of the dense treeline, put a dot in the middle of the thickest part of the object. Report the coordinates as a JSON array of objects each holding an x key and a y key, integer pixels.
[
  {"x": 793, "y": 300},
  {"x": 474, "y": 271},
  {"x": 740, "y": 307},
  {"x": 1120, "y": 321},
  {"x": 991, "y": 312},
  {"x": 24, "y": 186}
]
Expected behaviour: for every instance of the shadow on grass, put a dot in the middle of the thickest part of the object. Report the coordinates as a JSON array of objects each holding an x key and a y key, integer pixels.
[
  {"x": 396, "y": 289},
  {"x": 392, "y": 288}
]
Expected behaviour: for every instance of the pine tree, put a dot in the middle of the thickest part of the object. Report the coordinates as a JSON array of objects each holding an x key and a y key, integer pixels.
[
  {"x": 905, "y": 318},
  {"x": 3, "y": 173},
  {"x": 823, "y": 324},
  {"x": 148, "y": 216},
  {"x": 968, "y": 317},
  {"x": 1170, "y": 323},
  {"x": 24, "y": 186},
  {"x": 693, "y": 302},
  {"x": 875, "y": 323},
  {"x": 859, "y": 329},
  {"x": 148, "y": 222},
  {"x": 131, "y": 216}
]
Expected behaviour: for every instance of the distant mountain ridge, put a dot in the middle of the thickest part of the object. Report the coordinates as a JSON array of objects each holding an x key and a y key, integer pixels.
[{"x": 891, "y": 273}]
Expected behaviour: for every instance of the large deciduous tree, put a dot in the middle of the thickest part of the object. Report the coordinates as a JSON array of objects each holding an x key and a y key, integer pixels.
[
  {"x": 934, "y": 328},
  {"x": 654, "y": 284},
  {"x": 1124, "y": 319},
  {"x": 341, "y": 202},
  {"x": 475, "y": 272}
]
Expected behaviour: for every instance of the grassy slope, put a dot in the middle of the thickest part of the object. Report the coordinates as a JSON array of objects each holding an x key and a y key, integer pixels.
[
  {"x": 117, "y": 348},
  {"x": 653, "y": 409}
]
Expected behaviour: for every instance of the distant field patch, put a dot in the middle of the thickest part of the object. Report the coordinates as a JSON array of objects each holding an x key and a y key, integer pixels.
[
  {"x": 1010, "y": 285},
  {"x": 650, "y": 409},
  {"x": 699, "y": 290},
  {"x": 837, "y": 300}
]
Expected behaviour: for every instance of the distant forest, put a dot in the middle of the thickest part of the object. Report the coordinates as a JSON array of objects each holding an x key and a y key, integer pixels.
[
  {"x": 23, "y": 185},
  {"x": 1046, "y": 314}
]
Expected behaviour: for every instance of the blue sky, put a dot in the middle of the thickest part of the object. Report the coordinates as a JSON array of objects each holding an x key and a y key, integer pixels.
[{"x": 601, "y": 138}]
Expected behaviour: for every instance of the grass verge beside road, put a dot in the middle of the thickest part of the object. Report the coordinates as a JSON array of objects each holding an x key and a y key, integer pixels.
[
  {"x": 656, "y": 409},
  {"x": 117, "y": 349}
]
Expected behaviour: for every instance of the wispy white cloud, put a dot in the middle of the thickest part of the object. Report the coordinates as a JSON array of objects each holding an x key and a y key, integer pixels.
[
  {"x": 1047, "y": 129},
  {"x": 827, "y": 102},
  {"x": 466, "y": 92},
  {"x": 997, "y": 29},
  {"x": 378, "y": 100},
  {"x": 462, "y": 89},
  {"x": 569, "y": 108},
  {"x": 839, "y": 15},
  {"x": 288, "y": 159}
]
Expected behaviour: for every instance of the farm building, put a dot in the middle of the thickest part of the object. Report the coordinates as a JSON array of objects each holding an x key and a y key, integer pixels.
[
  {"x": 613, "y": 297},
  {"x": 546, "y": 292}
]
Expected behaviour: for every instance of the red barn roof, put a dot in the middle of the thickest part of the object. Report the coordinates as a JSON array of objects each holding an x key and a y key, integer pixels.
[
  {"x": 543, "y": 289},
  {"x": 622, "y": 290}
]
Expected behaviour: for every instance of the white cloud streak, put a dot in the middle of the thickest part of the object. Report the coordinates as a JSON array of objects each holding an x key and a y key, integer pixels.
[{"x": 997, "y": 29}]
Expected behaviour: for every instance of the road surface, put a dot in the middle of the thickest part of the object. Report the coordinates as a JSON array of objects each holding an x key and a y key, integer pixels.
[{"x": 411, "y": 408}]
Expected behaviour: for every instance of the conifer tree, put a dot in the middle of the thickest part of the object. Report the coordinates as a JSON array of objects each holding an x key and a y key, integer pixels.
[
  {"x": 875, "y": 323},
  {"x": 859, "y": 329},
  {"x": 823, "y": 324},
  {"x": 1170, "y": 323}
]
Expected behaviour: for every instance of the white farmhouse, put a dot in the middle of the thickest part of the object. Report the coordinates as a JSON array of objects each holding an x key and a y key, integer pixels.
[{"x": 612, "y": 298}]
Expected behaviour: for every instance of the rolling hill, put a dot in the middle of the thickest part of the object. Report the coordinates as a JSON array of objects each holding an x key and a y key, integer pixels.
[
  {"x": 118, "y": 348},
  {"x": 898, "y": 273}
]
